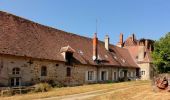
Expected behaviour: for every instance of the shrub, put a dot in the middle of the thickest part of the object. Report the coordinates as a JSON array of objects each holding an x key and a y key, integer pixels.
[
  {"x": 7, "y": 93},
  {"x": 121, "y": 79},
  {"x": 109, "y": 81},
  {"x": 42, "y": 87}
]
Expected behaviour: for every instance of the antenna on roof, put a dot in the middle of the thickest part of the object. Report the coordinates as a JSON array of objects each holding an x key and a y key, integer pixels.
[{"x": 96, "y": 25}]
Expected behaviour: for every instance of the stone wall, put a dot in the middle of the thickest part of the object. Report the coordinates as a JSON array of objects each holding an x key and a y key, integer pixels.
[
  {"x": 147, "y": 69},
  {"x": 30, "y": 71}
]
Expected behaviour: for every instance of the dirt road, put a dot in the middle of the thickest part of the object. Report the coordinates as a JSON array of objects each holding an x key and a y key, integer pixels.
[{"x": 92, "y": 94}]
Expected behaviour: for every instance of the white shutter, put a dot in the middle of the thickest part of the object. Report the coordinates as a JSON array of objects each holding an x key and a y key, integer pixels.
[
  {"x": 116, "y": 76},
  {"x": 86, "y": 76},
  {"x": 119, "y": 73},
  {"x": 113, "y": 76},
  {"x": 95, "y": 74},
  {"x": 107, "y": 74},
  {"x": 131, "y": 74}
]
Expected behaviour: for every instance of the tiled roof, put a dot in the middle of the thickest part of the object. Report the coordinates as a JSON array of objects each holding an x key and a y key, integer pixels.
[
  {"x": 130, "y": 42},
  {"x": 21, "y": 37},
  {"x": 134, "y": 53}
]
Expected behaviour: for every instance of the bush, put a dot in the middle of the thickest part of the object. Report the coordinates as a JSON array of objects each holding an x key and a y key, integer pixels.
[
  {"x": 42, "y": 87},
  {"x": 109, "y": 81},
  {"x": 7, "y": 93}
]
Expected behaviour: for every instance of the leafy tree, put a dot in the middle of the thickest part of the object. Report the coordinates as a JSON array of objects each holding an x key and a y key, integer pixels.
[{"x": 161, "y": 54}]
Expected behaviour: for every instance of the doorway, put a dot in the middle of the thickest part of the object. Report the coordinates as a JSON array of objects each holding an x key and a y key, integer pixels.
[
  {"x": 103, "y": 75},
  {"x": 114, "y": 76},
  {"x": 125, "y": 73},
  {"x": 16, "y": 81}
]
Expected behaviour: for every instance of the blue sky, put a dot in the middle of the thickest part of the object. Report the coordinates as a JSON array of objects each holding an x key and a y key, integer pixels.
[{"x": 145, "y": 18}]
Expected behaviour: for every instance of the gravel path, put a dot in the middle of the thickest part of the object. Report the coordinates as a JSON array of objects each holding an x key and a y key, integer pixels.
[{"x": 86, "y": 95}]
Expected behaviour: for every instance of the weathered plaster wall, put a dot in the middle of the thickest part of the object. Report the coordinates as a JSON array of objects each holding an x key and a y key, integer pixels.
[
  {"x": 56, "y": 71},
  {"x": 148, "y": 69}
]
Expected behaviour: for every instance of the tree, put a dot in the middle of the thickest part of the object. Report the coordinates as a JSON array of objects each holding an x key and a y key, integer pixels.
[{"x": 161, "y": 54}]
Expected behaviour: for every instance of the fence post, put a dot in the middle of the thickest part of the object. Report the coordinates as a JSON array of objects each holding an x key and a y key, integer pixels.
[{"x": 2, "y": 93}]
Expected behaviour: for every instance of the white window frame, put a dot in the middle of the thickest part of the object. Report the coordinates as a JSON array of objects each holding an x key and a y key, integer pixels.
[
  {"x": 142, "y": 72},
  {"x": 131, "y": 75},
  {"x": 128, "y": 74},
  {"x": 113, "y": 76},
  {"x": 15, "y": 80},
  {"x": 121, "y": 74},
  {"x": 106, "y": 75},
  {"x": 93, "y": 78},
  {"x": 134, "y": 74},
  {"x": 16, "y": 71},
  {"x": 90, "y": 75}
]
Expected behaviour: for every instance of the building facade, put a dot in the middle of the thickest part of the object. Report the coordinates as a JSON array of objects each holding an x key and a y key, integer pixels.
[
  {"x": 31, "y": 53},
  {"x": 140, "y": 50}
]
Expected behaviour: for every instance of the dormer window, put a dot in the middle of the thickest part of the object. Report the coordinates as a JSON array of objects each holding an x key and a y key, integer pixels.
[
  {"x": 123, "y": 60},
  {"x": 67, "y": 53},
  {"x": 69, "y": 56}
]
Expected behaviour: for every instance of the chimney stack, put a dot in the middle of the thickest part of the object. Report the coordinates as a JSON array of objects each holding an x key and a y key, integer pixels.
[
  {"x": 146, "y": 44},
  {"x": 95, "y": 42},
  {"x": 133, "y": 37},
  {"x": 141, "y": 53},
  {"x": 107, "y": 42},
  {"x": 121, "y": 38},
  {"x": 150, "y": 47},
  {"x": 120, "y": 43}
]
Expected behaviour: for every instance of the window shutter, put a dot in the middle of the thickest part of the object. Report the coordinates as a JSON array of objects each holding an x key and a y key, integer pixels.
[
  {"x": 86, "y": 76},
  {"x": 113, "y": 76},
  {"x": 95, "y": 76},
  {"x": 107, "y": 74},
  {"x": 123, "y": 74},
  {"x": 131, "y": 74}
]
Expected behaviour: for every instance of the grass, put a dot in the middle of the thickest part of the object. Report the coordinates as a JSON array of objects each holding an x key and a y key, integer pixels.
[
  {"x": 132, "y": 90},
  {"x": 137, "y": 92}
]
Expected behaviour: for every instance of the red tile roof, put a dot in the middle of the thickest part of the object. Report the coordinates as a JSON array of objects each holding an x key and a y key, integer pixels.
[
  {"x": 21, "y": 37},
  {"x": 130, "y": 42},
  {"x": 134, "y": 53}
]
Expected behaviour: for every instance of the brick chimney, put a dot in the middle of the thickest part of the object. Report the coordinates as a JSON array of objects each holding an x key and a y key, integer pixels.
[
  {"x": 106, "y": 40},
  {"x": 141, "y": 53},
  {"x": 133, "y": 37},
  {"x": 150, "y": 48},
  {"x": 95, "y": 43},
  {"x": 121, "y": 38},
  {"x": 120, "y": 43},
  {"x": 146, "y": 44}
]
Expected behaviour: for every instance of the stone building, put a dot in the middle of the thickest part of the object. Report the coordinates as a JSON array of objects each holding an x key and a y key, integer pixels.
[
  {"x": 140, "y": 50},
  {"x": 31, "y": 53}
]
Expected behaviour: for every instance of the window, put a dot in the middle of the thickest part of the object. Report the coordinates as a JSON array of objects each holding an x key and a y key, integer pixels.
[
  {"x": 43, "y": 71},
  {"x": 121, "y": 74},
  {"x": 15, "y": 81},
  {"x": 56, "y": 64},
  {"x": 69, "y": 56},
  {"x": 68, "y": 72},
  {"x": 128, "y": 74},
  {"x": 16, "y": 71},
  {"x": 114, "y": 76},
  {"x": 142, "y": 72},
  {"x": 134, "y": 74},
  {"x": 90, "y": 75},
  {"x": 103, "y": 75},
  {"x": 136, "y": 57}
]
